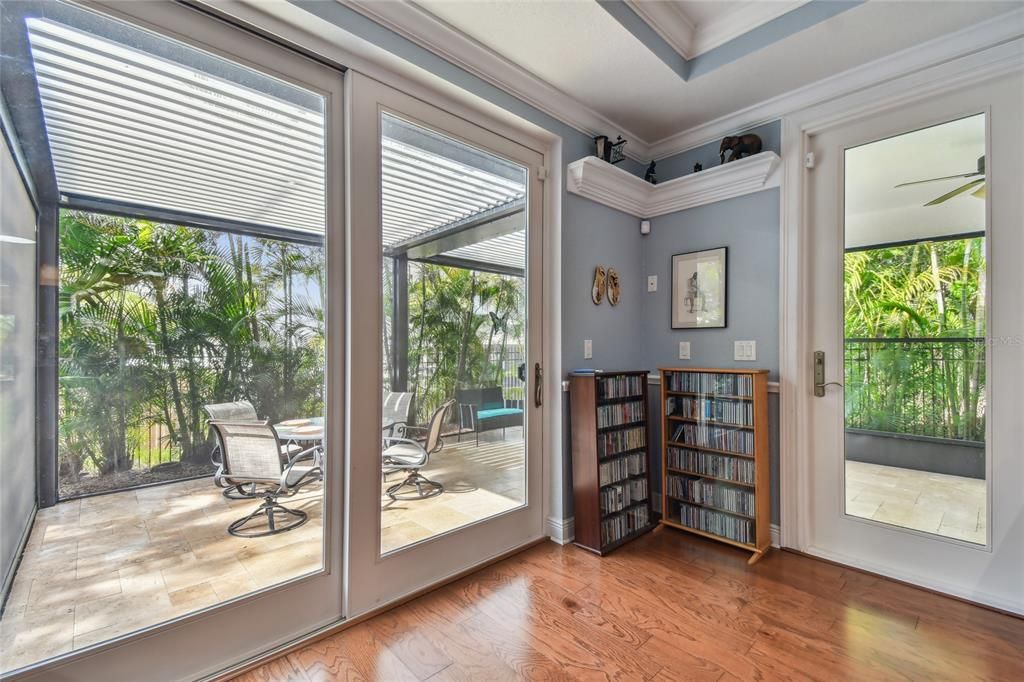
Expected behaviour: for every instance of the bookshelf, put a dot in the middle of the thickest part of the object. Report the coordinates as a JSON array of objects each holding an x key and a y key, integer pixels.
[
  {"x": 715, "y": 466},
  {"x": 610, "y": 472}
]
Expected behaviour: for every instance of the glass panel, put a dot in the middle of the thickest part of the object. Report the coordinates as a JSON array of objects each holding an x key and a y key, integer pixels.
[
  {"x": 915, "y": 330},
  {"x": 191, "y": 335},
  {"x": 454, "y": 334}
]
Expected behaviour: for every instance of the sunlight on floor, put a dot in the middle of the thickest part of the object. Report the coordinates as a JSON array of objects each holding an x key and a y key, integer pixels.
[
  {"x": 953, "y": 506},
  {"x": 104, "y": 566}
]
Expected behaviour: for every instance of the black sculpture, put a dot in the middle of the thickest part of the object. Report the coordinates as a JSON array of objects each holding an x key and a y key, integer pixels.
[
  {"x": 650, "y": 176},
  {"x": 740, "y": 145},
  {"x": 697, "y": 167}
]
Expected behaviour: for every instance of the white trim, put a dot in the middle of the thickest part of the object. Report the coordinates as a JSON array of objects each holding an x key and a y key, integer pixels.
[
  {"x": 426, "y": 30},
  {"x": 977, "y": 596},
  {"x": 562, "y": 531},
  {"x": 775, "y": 535},
  {"x": 669, "y": 21},
  {"x": 1003, "y": 28},
  {"x": 745, "y": 18},
  {"x": 602, "y": 182}
]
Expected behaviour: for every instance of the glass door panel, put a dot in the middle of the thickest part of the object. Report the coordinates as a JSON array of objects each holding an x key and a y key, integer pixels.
[
  {"x": 454, "y": 335},
  {"x": 915, "y": 330}
]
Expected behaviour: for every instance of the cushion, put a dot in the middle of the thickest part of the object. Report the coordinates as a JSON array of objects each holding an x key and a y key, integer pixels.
[{"x": 502, "y": 412}]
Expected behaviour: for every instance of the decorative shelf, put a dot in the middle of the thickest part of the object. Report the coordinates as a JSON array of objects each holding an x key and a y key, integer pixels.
[{"x": 602, "y": 182}]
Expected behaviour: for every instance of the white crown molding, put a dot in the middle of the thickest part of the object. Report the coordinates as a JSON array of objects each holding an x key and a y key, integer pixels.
[
  {"x": 745, "y": 18},
  {"x": 668, "y": 20},
  {"x": 987, "y": 34},
  {"x": 428, "y": 31},
  {"x": 602, "y": 182}
]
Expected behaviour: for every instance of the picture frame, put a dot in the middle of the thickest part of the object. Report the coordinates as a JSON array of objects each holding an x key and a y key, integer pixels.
[{"x": 699, "y": 289}]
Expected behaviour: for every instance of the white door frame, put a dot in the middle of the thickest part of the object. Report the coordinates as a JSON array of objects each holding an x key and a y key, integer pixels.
[
  {"x": 795, "y": 345},
  {"x": 242, "y": 628},
  {"x": 375, "y": 580}
]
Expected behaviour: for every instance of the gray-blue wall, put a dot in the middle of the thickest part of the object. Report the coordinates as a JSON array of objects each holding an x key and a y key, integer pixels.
[{"x": 707, "y": 155}]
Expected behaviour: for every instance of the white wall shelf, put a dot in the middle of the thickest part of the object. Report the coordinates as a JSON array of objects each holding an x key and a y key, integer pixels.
[{"x": 604, "y": 183}]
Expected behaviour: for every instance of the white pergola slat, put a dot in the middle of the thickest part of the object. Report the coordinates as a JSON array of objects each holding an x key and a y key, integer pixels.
[{"x": 128, "y": 126}]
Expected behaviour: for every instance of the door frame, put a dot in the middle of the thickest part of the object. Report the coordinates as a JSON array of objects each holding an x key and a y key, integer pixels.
[
  {"x": 795, "y": 343},
  {"x": 303, "y": 603},
  {"x": 376, "y": 579}
]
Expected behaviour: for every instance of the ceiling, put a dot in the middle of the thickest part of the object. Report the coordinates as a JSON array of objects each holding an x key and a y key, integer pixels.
[
  {"x": 651, "y": 70},
  {"x": 879, "y": 212}
]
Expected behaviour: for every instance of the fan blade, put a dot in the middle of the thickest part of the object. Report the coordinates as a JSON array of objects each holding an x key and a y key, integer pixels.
[
  {"x": 980, "y": 192},
  {"x": 948, "y": 177},
  {"x": 959, "y": 190}
]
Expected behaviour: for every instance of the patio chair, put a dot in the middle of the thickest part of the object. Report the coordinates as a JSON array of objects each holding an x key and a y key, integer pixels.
[
  {"x": 408, "y": 454},
  {"x": 252, "y": 456},
  {"x": 484, "y": 409},
  {"x": 395, "y": 415},
  {"x": 238, "y": 411}
]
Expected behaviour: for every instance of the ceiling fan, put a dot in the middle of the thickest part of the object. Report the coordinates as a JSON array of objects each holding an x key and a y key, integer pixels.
[{"x": 978, "y": 184}]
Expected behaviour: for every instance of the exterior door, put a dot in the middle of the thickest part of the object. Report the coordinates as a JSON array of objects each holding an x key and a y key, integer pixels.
[
  {"x": 445, "y": 342},
  {"x": 188, "y": 154},
  {"x": 914, "y": 309}
]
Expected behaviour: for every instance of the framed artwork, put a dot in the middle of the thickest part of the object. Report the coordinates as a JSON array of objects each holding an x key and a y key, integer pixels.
[{"x": 698, "y": 289}]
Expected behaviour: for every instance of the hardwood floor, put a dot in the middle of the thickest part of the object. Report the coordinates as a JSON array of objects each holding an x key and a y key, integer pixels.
[{"x": 667, "y": 607}]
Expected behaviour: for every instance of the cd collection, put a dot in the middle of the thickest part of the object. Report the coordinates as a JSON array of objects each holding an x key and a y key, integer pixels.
[
  {"x": 620, "y": 386},
  {"x": 731, "y": 411},
  {"x": 620, "y": 413},
  {"x": 712, "y": 494},
  {"x": 709, "y": 521},
  {"x": 717, "y": 437},
  {"x": 710, "y": 464},
  {"x": 617, "y": 469},
  {"x": 621, "y": 525},
  {"x": 711, "y": 382},
  {"x": 619, "y": 496},
  {"x": 616, "y": 442}
]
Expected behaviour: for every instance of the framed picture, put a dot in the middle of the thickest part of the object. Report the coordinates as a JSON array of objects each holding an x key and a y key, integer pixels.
[{"x": 698, "y": 289}]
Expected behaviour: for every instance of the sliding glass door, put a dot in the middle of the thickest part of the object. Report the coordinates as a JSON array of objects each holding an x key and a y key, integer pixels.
[
  {"x": 198, "y": 465},
  {"x": 446, "y": 424}
]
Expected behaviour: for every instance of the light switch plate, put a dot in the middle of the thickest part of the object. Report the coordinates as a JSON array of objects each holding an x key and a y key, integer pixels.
[
  {"x": 745, "y": 351},
  {"x": 684, "y": 350},
  {"x": 588, "y": 349},
  {"x": 652, "y": 282}
]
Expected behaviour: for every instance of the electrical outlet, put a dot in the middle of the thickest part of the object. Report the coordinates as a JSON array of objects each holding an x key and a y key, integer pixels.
[
  {"x": 684, "y": 350},
  {"x": 588, "y": 349},
  {"x": 745, "y": 351},
  {"x": 652, "y": 282}
]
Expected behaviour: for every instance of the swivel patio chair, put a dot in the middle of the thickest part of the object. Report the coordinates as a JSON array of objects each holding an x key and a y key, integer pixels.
[
  {"x": 251, "y": 456},
  {"x": 395, "y": 415},
  {"x": 408, "y": 454}
]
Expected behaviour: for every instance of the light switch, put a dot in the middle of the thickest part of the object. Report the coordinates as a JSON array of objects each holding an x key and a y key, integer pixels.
[
  {"x": 684, "y": 350},
  {"x": 745, "y": 351},
  {"x": 588, "y": 349},
  {"x": 652, "y": 282}
]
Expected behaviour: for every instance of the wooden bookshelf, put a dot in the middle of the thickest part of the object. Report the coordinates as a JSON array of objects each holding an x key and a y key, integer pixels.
[
  {"x": 610, "y": 468},
  {"x": 715, "y": 421}
]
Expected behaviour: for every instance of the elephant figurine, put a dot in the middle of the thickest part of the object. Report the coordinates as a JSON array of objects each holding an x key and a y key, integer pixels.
[{"x": 740, "y": 145}]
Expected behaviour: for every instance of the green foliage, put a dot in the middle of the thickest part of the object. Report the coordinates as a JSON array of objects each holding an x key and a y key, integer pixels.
[
  {"x": 930, "y": 291},
  {"x": 158, "y": 320},
  {"x": 462, "y": 325}
]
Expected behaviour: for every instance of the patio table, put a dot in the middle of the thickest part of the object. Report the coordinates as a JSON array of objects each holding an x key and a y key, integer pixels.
[{"x": 305, "y": 431}]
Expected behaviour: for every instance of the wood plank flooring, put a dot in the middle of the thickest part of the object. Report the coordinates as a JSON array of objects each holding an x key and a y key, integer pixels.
[{"x": 667, "y": 607}]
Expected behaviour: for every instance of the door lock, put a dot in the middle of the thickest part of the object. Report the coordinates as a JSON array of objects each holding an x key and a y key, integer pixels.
[{"x": 819, "y": 375}]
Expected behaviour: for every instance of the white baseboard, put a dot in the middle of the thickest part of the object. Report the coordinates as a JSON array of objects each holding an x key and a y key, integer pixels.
[
  {"x": 562, "y": 531},
  {"x": 775, "y": 535}
]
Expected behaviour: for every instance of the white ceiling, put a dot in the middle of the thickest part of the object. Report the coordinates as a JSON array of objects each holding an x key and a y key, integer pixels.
[
  {"x": 581, "y": 50},
  {"x": 877, "y": 212}
]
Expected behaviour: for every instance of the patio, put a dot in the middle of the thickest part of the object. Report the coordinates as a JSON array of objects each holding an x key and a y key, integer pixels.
[
  {"x": 953, "y": 506},
  {"x": 100, "y": 567}
]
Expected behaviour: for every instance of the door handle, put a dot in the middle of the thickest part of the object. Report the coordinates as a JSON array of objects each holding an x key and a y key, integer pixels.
[
  {"x": 538, "y": 383},
  {"x": 819, "y": 375}
]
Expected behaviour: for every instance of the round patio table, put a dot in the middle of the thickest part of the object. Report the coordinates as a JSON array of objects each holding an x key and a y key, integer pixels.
[{"x": 306, "y": 432}]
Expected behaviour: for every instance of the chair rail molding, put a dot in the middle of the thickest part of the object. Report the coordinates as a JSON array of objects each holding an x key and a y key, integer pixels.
[{"x": 602, "y": 182}]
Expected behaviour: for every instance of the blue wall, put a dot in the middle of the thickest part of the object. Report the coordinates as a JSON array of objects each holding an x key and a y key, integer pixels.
[{"x": 707, "y": 155}]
